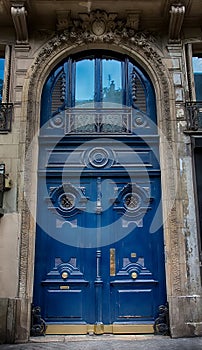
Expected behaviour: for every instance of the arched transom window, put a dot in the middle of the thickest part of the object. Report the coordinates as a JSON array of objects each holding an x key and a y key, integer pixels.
[{"x": 98, "y": 92}]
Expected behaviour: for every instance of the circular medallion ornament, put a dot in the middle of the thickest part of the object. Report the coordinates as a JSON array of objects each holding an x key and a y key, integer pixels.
[
  {"x": 139, "y": 120},
  {"x": 132, "y": 201},
  {"x": 98, "y": 27},
  {"x": 98, "y": 157},
  {"x": 67, "y": 201},
  {"x": 57, "y": 121}
]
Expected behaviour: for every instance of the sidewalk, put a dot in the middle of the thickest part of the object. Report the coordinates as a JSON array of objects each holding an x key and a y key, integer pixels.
[{"x": 107, "y": 342}]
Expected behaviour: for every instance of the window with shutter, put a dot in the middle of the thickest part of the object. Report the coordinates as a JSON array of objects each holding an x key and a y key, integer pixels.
[{"x": 98, "y": 92}]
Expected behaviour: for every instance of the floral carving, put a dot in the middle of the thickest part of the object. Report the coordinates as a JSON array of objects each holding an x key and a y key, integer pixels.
[{"x": 98, "y": 26}]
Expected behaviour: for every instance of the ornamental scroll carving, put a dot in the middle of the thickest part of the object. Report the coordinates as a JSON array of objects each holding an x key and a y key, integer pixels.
[
  {"x": 99, "y": 27},
  {"x": 98, "y": 22}
]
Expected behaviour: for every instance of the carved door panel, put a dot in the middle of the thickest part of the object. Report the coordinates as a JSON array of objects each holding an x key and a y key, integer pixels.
[
  {"x": 99, "y": 264},
  {"x": 64, "y": 270},
  {"x": 132, "y": 264}
]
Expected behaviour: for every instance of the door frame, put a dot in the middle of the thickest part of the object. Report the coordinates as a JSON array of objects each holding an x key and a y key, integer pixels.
[{"x": 44, "y": 63}]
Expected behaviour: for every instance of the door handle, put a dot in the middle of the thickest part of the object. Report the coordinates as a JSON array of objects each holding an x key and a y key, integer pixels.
[
  {"x": 99, "y": 197},
  {"x": 112, "y": 261}
]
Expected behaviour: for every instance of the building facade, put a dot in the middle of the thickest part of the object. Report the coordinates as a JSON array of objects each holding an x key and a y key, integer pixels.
[{"x": 100, "y": 192}]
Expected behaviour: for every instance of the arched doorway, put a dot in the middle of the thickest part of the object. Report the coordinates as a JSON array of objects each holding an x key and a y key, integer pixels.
[{"x": 99, "y": 264}]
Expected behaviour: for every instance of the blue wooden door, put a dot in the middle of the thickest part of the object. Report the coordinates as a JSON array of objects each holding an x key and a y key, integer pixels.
[
  {"x": 99, "y": 260},
  {"x": 96, "y": 260}
]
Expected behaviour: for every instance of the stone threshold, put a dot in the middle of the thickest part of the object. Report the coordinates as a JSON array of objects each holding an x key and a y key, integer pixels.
[{"x": 93, "y": 337}]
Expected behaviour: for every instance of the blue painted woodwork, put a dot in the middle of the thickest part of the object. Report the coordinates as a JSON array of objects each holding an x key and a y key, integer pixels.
[
  {"x": 94, "y": 194},
  {"x": 2, "y": 63}
]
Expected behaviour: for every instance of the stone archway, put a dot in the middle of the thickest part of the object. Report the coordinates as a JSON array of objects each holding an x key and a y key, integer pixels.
[{"x": 97, "y": 30}]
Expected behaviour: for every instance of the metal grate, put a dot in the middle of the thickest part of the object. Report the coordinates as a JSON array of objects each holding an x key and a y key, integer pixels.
[{"x": 98, "y": 121}]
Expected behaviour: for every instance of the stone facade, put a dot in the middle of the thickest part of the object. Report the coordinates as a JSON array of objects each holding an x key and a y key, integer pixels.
[{"x": 32, "y": 59}]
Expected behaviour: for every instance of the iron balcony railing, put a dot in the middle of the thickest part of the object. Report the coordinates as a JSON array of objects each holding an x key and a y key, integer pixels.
[
  {"x": 194, "y": 115},
  {"x": 100, "y": 120},
  {"x": 5, "y": 116}
]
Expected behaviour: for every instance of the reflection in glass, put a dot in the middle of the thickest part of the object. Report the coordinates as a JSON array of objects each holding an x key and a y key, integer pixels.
[
  {"x": 2, "y": 60},
  {"x": 84, "y": 90},
  {"x": 111, "y": 81},
  {"x": 197, "y": 64},
  {"x": 197, "y": 68}
]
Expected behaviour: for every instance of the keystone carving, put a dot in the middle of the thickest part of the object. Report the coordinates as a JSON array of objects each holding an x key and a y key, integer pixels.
[{"x": 97, "y": 24}]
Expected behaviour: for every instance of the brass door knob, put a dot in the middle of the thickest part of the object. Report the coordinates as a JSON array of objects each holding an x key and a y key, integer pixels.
[
  {"x": 134, "y": 275},
  {"x": 65, "y": 275}
]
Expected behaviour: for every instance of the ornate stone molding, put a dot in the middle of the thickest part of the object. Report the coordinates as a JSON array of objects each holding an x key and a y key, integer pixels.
[
  {"x": 63, "y": 19},
  {"x": 177, "y": 13},
  {"x": 133, "y": 19},
  {"x": 19, "y": 14},
  {"x": 97, "y": 23},
  {"x": 98, "y": 27},
  {"x": 104, "y": 28}
]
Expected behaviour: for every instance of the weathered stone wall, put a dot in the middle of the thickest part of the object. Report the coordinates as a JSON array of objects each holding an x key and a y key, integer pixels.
[{"x": 186, "y": 299}]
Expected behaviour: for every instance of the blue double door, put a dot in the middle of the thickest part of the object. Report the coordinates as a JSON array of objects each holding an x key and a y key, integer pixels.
[
  {"x": 99, "y": 263},
  {"x": 99, "y": 258}
]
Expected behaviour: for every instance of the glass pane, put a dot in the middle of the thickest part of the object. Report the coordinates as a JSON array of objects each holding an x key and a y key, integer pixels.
[
  {"x": 2, "y": 60},
  {"x": 112, "y": 81},
  {"x": 197, "y": 67},
  {"x": 84, "y": 90},
  {"x": 197, "y": 64}
]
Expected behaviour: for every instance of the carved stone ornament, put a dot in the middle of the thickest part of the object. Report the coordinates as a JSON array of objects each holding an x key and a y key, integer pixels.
[
  {"x": 177, "y": 14},
  {"x": 19, "y": 15},
  {"x": 98, "y": 26}
]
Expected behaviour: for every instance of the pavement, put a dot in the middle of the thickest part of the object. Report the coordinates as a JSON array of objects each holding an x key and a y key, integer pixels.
[{"x": 107, "y": 342}]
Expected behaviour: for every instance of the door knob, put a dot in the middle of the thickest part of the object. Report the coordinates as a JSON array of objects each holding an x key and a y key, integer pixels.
[{"x": 134, "y": 275}]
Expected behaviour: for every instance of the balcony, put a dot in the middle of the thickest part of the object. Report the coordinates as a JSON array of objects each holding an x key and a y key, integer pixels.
[
  {"x": 194, "y": 115},
  {"x": 5, "y": 117}
]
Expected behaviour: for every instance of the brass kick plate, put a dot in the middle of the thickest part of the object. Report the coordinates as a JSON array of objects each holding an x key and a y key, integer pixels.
[{"x": 106, "y": 329}]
